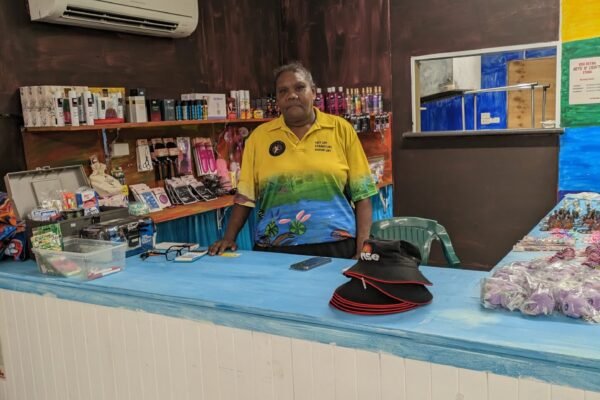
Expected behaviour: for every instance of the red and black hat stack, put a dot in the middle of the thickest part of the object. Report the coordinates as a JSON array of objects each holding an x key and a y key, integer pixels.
[{"x": 385, "y": 280}]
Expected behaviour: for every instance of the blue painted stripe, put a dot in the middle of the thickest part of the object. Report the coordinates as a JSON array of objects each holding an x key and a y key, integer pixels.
[
  {"x": 540, "y": 53},
  {"x": 579, "y": 169}
]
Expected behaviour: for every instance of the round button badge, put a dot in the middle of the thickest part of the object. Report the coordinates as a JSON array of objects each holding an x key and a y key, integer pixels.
[{"x": 277, "y": 148}]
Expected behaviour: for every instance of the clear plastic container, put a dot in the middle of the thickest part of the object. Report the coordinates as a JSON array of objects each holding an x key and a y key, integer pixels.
[{"x": 83, "y": 259}]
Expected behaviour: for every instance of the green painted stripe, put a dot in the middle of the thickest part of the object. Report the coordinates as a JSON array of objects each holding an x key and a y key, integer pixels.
[{"x": 581, "y": 114}]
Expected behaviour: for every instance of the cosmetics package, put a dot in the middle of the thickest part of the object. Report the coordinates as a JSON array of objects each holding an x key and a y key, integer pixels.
[
  {"x": 89, "y": 108},
  {"x": 178, "y": 111},
  {"x": 184, "y": 161},
  {"x": 231, "y": 108},
  {"x": 247, "y": 104},
  {"x": 74, "y": 105},
  {"x": 216, "y": 105},
  {"x": 136, "y": 109},
  {"x": 235, "y": 94},
  {"x": 101, "y": 105},
  {"x": 153, "y": 107},
  {"x": 167, "y": 109},
  {"x": 108, "y": 104},
  {"x": 39, "y": 104},
  {"x": 120, "y": 112},
  {"x": 137, "y": 92},
  {"x": 204, "y": 156},
  {"x": 59, "y": 115}
]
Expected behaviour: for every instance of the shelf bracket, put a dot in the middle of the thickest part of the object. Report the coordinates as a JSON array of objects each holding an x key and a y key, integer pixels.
[{"x": 105, "y": 147}]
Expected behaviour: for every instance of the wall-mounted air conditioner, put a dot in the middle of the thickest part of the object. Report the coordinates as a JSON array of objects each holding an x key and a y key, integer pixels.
[{"x": 168, "y": 18}]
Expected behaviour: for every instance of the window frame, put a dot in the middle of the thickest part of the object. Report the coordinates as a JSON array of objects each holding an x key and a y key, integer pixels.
[{"x": 414, "y": 74}]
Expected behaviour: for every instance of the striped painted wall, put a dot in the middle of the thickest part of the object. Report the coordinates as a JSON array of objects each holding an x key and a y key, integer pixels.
[
  {"x": 580, "y": 144},
  {"x": 580, "y": 19},
  {"x": 58, "y": 349}
]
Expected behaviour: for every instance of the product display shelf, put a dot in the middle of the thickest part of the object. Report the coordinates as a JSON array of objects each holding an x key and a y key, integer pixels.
[
  {"x": 181, "y": 211},
  {"x": 132, "y": 125}
]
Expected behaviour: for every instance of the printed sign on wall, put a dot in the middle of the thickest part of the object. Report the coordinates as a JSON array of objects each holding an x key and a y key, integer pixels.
[{"x": 584, "y": 80}]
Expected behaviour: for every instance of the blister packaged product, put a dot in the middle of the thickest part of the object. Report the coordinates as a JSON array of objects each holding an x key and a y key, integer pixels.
[
  {"x": 539, "y": 302},
  {"x": 500, "y": 293},
  {"x": 138, "y": 208},
  {"x": 562, "y": 283}
]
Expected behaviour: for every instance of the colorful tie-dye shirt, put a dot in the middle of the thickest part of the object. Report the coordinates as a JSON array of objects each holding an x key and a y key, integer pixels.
[{"x": 303, "y": 188}]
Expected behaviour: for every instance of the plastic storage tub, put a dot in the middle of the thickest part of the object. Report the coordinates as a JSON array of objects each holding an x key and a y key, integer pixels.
[{"x": 83, "y": 259}]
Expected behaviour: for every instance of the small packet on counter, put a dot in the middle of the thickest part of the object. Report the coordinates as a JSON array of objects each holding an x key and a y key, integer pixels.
[{"x": 47, "y": 237}]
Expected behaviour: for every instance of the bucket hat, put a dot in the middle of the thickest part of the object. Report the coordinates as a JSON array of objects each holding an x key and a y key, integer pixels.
[{"x": 389, "y": 261}]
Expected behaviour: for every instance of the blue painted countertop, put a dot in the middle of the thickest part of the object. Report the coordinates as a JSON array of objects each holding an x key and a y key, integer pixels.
[{"x": 257, "y": 291}]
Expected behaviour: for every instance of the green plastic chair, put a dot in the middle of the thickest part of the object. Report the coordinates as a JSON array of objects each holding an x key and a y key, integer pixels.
[{"x": 418, "y": 231}]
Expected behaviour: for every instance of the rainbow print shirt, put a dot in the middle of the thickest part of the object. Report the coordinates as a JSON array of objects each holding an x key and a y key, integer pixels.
[{"x": 304, "y": 188}]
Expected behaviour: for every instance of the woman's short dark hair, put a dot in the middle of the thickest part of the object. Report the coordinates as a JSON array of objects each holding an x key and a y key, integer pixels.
[{"x": 294, "y": 66}]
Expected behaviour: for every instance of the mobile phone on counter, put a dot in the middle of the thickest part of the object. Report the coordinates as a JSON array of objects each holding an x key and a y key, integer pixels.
[{"x": 310, "y": 263}]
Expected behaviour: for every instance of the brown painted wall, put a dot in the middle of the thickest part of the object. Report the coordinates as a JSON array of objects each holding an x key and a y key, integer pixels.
[
  {"x": 233, "y": 47},
  {"x": 343, "y": 42},
  {"x": 488, "y": 192},
  {"x": 439, "y": 26}
]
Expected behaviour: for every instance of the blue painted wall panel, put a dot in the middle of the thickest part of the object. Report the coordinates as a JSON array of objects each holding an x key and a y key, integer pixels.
[
  {"x": 494, "y": 73},
  {"x": 446, "y": 114},
  {"x": 579, "y": 169},
  {"x": 539, "y": 53}
]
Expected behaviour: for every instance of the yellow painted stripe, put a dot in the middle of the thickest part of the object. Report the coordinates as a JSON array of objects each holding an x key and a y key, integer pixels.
[{"x": 580, "y": 19}]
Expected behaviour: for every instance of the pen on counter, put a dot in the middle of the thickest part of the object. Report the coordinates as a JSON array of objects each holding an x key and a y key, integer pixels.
[{"x": 103, "y": 272}]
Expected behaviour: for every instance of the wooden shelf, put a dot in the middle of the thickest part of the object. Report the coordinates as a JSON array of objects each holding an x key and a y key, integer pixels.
[
  {"x": 181, "y": 211},
  {"x": 133, "y": 125}
]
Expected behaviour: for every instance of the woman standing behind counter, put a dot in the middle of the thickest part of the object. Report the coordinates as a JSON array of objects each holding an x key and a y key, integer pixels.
[{"x": 303, "y": 170}]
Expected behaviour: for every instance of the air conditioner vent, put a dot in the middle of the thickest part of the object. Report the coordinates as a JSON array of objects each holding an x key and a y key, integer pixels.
[{"x": 104, "y": 17}]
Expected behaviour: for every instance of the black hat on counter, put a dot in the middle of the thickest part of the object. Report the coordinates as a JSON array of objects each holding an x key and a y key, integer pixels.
[
  {"x": 340, "y": 304},
  {"x": 409, "y": 292},
  {"x": 359, "y": 292},
  {"x": 389, "y": 261},
  {"x": 385, "y": 280}
]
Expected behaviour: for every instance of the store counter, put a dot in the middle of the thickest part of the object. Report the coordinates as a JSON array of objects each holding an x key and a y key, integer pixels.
[{"x": 248, "y": 327}]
